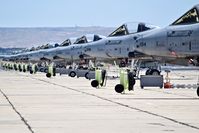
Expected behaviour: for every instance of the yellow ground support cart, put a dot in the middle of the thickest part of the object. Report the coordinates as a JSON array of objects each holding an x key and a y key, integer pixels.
[
  {"x": 127, "y": 81},
  {"x": 51, "y": 71},
  {"x": 33, "y": 69},
  {"x": 100, "y": 78}
]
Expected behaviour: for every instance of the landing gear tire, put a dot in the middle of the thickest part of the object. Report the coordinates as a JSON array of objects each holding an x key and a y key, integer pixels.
[
  {"x": 155, "y": 72},
  {"x": 152, "y": 72},
  {"x": 148, "y": 72},
  {"x": 119, "y": 88},
  {"x": 72, "y": 74},
  {"x": 48, "y": 75},
  {"x": 94, "y": 83},
  {"x": 198, "y": 91}
]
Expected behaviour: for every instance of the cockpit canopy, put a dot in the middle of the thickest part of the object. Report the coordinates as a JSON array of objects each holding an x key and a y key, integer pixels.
[
  {"x": 131, "y": 28},
  {"x": 81, "y": 40},
  {"x": 88, "y": 38},
  {"x": 33, "y": 49},
  {"x": 47, "y": 46},
  {"x": 66, "y": 43},
  {"x": 189, "y": 17}
]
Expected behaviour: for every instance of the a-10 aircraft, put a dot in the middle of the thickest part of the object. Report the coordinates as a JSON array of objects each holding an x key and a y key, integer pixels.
[
  {"x": 178, "y": 40},
  {"x": 120, "y": 43}
]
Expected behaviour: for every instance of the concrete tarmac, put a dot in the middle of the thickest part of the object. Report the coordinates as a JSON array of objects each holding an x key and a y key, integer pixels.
[{"x": 36, "y": 104}]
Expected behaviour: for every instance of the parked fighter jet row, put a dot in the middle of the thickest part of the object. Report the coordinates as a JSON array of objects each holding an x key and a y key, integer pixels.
[{"x": 178, "y": 42}]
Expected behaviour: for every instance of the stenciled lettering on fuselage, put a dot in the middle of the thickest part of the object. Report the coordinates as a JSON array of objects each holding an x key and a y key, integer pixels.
[
  {"x": 141, "y": 44},
  {"x": 113, "y": 42},
  {"x": 76, "y": 47},
  {"x": 179, "y": 33}
]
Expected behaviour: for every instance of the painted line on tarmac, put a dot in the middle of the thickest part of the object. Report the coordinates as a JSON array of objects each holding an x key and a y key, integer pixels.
[
  {"x": 17, "y": 112},
  {"x": 121, "y": 104}
]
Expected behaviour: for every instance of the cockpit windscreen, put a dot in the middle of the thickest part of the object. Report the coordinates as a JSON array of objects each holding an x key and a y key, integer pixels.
[
  {"x": 81, "y": 40},
  {"x": 190, "y": 17},
  {"x": 88, "y": 38},
  {"x": 66, "y": 43},
  {"x": 131, "y": 28}
]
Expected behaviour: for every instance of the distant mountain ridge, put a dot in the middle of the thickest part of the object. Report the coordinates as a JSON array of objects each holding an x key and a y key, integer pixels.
[
  {"x": 8, "y": 51},
  {"x": 29, "y": 37}
]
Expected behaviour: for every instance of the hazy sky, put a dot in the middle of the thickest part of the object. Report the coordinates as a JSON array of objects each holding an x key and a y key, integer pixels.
[{"x": 65, "y": 13}]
